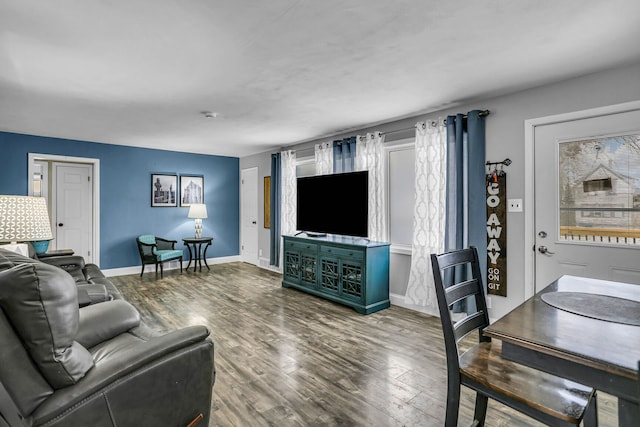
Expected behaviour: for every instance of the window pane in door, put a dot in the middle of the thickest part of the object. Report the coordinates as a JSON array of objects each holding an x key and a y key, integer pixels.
[{"x": 599, "y": 190}]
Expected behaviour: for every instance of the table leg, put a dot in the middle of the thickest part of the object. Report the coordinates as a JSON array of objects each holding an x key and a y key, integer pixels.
[
  {"x": 196, "y": 250},
  {"x": 205, "y": 255},
  {"x": 628, "y": 412},
  {"x": 190, "y": 256}
]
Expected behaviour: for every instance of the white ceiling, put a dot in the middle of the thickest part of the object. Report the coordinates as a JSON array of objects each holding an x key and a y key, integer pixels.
[{"x": 279, "y": 72}]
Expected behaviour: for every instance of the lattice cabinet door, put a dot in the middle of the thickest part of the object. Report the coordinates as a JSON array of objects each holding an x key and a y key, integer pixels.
[
  {"x": 292, "y": 265},
  {"x": 352, "y": 280},
  {"x": 329, "y": 275},
  {"x": 308, "y": 269}
]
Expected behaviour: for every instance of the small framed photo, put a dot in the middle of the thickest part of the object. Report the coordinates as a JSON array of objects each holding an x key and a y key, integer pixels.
[
  {"x": 191, "y": 189},
  {"x": 164, "y": 190}
]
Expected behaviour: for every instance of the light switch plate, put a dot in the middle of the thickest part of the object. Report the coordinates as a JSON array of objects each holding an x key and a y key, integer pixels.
[{"x": 515, "y": 205}]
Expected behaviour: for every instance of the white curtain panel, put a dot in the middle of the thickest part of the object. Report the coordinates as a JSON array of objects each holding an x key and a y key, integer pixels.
[
  {"x": 369, "y": 157},
  {"x": 428, "y": 213},
  {"x": 324, "y": 158},
  {"x": 288, "y": 199}
]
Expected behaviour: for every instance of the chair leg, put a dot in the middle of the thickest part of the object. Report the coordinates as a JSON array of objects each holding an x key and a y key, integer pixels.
[
  {"x": 480, "y": 412},
  {"x": 591, "y": 414},
  {"x": 161, "y": 270},
  {"x": 453, "y": 402},
  {"x": 142, "y": 272},
  {"x": 180, "y": 265}
]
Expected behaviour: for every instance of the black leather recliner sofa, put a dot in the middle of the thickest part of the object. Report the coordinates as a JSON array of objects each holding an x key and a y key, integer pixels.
[
  {"x": 93, "y": 286},
  {"x": 61, "y": 365}
]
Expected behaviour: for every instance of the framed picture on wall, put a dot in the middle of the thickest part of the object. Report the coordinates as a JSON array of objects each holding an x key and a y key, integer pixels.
[
  {"x": 267, "y": 202},
  {"x": 191, "y": 189},
  {"x": 164, "y": 190}
]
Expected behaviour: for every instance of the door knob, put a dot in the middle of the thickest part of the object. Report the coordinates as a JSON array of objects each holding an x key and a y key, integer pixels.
[
  {"x": 544, "y": 250},
  {"x": 60, "y": 224},
  {"x": 253, "y": 222}
]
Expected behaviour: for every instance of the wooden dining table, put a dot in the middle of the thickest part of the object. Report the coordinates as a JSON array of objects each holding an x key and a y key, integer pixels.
[{"x": 586, "y": 330}]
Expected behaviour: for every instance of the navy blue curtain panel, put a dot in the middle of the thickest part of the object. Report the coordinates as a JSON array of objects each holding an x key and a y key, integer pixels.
[
  {"x": 477, "y": 190},
  {"x": 466, "y": 217},
  {"x": 344, "y": 155},
  {"x": 275, "y": 196}
]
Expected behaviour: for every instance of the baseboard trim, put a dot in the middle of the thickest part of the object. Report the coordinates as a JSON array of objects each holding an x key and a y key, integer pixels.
[
  {"x": 264, "y": 264},
  {"x": 171, "y": 265},
  {"x": 397, "y": 299}
]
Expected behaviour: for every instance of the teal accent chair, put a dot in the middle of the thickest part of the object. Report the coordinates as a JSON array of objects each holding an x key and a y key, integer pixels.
[{"x": 156, "y": 250}]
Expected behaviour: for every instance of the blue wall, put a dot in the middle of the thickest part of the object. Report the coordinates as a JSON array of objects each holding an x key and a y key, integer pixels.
[{"x": 125, "y": 193}]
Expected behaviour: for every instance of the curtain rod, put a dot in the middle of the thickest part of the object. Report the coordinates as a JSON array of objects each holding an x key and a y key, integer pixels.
[{"x": 483, "y": 113}]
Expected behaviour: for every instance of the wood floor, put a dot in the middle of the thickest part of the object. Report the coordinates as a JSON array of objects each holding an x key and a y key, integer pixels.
[{"x": 286, "y": 358}]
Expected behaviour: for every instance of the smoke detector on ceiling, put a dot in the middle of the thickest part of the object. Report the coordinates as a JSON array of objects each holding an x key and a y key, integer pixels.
[{"x": 209, "y": 114}]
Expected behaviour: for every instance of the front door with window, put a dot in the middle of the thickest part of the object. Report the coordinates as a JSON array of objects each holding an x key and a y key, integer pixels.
[{"x": 587, "y": 198}]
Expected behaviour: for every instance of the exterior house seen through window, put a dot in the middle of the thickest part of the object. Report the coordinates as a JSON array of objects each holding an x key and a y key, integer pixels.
[{"x": 599, "y": 194}]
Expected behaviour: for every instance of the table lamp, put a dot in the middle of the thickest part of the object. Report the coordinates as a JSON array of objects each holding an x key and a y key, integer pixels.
[
  {"x": 198, "y": 211},
  {"x": 25, "y": 219}
]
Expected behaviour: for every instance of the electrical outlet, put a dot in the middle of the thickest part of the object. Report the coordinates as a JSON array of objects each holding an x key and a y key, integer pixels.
[
  {"x": 488, "y": 302},
  {"x": 515, "y": 205},
  {"x": 259, "y": 252}
]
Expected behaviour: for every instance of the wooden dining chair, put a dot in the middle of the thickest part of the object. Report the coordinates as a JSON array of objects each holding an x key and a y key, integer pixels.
[{"x": 549, "y": 399}]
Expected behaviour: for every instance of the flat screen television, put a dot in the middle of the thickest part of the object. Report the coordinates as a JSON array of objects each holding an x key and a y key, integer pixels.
[{"x": 334, "y": 204}]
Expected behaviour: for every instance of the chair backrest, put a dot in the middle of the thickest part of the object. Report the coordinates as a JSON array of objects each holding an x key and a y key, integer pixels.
[
  {"x": 147, "y": 239},
  {"x": 457, "y": 276}
]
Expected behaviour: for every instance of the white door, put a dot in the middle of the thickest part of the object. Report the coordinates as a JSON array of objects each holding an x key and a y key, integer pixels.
[
  {"x": 72, "y": 206},
  {"x": 249, "y": 215},
  {"x": 587, "y": 198}
]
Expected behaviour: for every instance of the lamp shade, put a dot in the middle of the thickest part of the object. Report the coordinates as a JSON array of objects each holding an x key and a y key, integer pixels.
[
  {"x": 198, "y": 210},
  {"x": 24, "y": 219}
]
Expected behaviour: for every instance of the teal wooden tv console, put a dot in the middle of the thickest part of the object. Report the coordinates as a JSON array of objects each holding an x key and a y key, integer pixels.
[{"x": 349, "y": 270}]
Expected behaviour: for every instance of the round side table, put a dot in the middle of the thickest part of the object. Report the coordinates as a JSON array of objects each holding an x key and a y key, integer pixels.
[{"x": 198, "y": 254}]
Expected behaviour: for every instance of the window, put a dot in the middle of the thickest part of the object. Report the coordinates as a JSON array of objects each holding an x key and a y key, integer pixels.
[
  {"x": 305, "y": 166},
  {"x": 599, "y": 194},
  {"x": 400, "y": 173}
]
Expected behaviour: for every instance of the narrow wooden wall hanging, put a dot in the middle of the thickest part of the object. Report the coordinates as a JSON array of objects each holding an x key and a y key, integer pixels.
[
  {"x": 267, "y": 202},
  {"x": 496, "y": 184}
]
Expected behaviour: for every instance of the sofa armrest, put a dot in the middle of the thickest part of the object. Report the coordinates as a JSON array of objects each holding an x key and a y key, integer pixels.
[
  {"x": 101, "y": 322},
  {"x": 169, "y": 376},
  {"x": 92, "y": 271}
]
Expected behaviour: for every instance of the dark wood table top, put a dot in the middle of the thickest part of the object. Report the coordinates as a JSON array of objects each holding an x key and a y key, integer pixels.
[
  {"x": 197, "y": 239},
  {"x": 599, "y": 344}
]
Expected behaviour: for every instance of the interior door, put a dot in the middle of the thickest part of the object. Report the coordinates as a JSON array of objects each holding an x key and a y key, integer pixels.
[
  {"x": 587, "y": 198},
  {"x": 73, "y": 208},
  {"x": 249, "y": 215}
]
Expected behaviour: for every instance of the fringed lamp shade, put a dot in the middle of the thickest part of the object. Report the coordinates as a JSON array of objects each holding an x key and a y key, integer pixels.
[{"x": 24, "y": 219}]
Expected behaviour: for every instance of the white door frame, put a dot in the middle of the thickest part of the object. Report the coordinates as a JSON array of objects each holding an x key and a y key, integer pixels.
[
  {"x": 95, "y": 250},
  {"x": 255, "y": 261},
  {"x": 529, "y": 178}
]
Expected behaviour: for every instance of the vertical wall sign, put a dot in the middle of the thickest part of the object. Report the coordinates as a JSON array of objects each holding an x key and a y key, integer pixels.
[{"x": 497, "y": 233}]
